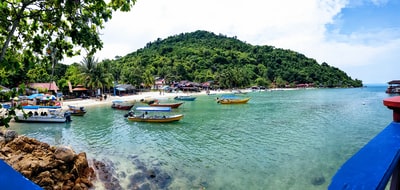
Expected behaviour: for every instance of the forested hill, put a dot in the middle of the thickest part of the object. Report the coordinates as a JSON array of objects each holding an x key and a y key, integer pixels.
[{"x": 202, "y": 56}]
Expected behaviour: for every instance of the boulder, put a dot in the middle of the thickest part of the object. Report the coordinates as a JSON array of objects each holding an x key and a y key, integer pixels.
[
  {"x": 49, "y": 167},
  {"x": 64, "y": 153}
]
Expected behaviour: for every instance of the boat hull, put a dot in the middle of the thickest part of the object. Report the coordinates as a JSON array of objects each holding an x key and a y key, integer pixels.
[
  {"x": 40, "y": 119},
  {"x": 171, "y": 105},
  {"x": 121, "y": 107},
  {"x": 233, "y": 101},
  {"x": 158, "y": 119},
  {"x": 77, "y": 111},
  {"x": 184, "y": 98}
]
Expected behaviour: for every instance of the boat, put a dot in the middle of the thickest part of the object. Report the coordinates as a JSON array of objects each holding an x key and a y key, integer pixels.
[
  {"x": 148, "y": 100},
  {"x": 42, "y": 114},
  {"x": 171, "y": 105},
  {"x": 394, "y": 87},
  {"x": 77, "y": 111},
  {"x": 121, "y": 105},
  {"x": 232, "y": 100},
  {"x": 238, "y": 92},
  {"x": 152, "y": 115},
  {"x": 185, "y": 98}
]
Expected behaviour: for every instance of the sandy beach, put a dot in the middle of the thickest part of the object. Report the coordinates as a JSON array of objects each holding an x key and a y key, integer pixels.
[
  {"x": 153, "y": 94},
  {"x": 134, "y": 98}
]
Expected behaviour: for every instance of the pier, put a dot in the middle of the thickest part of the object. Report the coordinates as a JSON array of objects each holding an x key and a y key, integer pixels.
[{"x": 377, "y": 163}]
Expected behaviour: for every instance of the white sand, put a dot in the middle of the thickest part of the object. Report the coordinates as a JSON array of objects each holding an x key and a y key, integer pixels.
[{"x": 137, "y": 98}]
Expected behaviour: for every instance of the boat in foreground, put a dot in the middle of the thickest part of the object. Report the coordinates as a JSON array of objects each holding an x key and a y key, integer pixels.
[
  {"x": 185, "y": 98},
  {"x": 43, "y": 114},
  {"x": 394, "y": 87},
  {"x": 76, "y": 111},
  {"x": 154, "y": 116},
  {"x": 171, "y": 105},
  {"x": 121, "y": 105},
  {"x": 232, "y": 100}
]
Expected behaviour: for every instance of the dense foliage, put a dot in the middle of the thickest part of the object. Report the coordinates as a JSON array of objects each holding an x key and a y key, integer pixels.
[
  {"x": 203, "y": 56},
  {"x": 36, "y": 34},
  {"x": 45, "y": 31}
]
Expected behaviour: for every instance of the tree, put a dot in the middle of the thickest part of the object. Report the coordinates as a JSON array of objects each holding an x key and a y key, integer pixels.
[
  {"x": 94, "y": 74},
  {"x": 30, "y": 25}
]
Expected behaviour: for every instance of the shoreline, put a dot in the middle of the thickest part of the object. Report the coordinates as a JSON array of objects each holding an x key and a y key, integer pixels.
[
  {"x": 135, "y": 97},
  {"x": 156, "y": 95}
]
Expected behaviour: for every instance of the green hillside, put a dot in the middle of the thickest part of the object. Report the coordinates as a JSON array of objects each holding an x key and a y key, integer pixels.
[{"x": 204, "y": 56}]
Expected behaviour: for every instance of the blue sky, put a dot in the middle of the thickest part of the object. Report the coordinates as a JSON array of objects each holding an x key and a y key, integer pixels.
[{"x": 360, "y": 37}]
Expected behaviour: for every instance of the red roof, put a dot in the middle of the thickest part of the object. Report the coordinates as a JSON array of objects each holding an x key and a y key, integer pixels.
[{"x": 49, "y": 86}]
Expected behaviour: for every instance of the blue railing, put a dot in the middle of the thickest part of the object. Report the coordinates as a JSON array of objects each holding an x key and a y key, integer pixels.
[
  {"x": 11, "y": 179},
  {"x": 377, "y": 162}
]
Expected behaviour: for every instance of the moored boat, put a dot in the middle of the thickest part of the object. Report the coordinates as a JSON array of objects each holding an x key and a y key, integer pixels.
[
  {"x": 122, "y": 105},
  {"x": 42, "y": 114},
  {"x": 152, "y": 115},
  {"x": 394, "y": 87},
  {"x": 185, "y": 98},
  {"x": 232, "y": 100},
  {"x": 171, "y": 105},
  {"x": 148, "y": 100},
  {"x": 77, "y": 111}
]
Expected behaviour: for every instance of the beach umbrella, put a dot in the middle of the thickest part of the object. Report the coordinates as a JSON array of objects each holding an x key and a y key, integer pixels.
[
  {"x": 16, "y": 98},
  {"x": 49, "y": 97}
]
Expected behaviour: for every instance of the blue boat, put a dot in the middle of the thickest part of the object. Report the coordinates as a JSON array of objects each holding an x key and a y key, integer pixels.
[{"x": 185, "y": 98}]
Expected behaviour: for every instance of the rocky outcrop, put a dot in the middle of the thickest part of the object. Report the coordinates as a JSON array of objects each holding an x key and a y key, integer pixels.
[{"x": 47, "y": 166}]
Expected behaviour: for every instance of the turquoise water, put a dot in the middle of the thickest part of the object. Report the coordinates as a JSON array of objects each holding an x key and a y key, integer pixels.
[{"x": 279, "y": 140}]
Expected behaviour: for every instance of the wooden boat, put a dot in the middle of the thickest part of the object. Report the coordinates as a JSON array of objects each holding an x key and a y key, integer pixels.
[
  {"x": 43, "y": 114},
  {"x": 171, "y": 105},
  {"x": 77, "y": 111},
  {"x": 229, "y": 99},
  {"x": 121, "y": 105},
  {"x": 148, "y": 100},
  {"x": 185, "y": 98},
  {"x": 153, "y": 117}
]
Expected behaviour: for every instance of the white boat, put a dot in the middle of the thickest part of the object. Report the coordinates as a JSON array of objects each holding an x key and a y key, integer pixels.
[
  {"x": 43, "y": 114},
  {"x": 153, "y": 118}
]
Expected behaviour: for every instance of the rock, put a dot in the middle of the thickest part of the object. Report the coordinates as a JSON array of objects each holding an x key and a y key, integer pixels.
[
  {"x": 10, "y": 135},
  {"x": 47, "y": 166},
  {"x": 106, "y": 174},
  {"x": 318, "y": 180},
  {"x": 64, "y": 153}
]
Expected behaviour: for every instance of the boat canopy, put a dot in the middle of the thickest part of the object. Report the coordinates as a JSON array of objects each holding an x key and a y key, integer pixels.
[
  {"x": 155, "y": 109},
  {"x": 37, "y": 107}
]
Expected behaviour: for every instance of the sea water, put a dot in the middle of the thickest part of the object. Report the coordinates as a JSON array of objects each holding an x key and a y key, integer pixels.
[{"x": 293, "y": 139}]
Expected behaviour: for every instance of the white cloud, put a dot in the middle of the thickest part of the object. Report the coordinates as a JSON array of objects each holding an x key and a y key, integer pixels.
[{"x": 288, "y": 24}]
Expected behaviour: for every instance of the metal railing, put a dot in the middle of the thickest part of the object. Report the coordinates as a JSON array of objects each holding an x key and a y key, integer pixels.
[{"x": 377, "y": 163}]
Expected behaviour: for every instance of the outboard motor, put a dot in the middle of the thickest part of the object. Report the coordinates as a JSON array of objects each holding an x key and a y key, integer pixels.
[{"x": 68, "y": 116}]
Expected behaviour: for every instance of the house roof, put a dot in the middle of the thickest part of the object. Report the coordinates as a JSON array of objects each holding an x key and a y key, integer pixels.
[
  {"x": 49, "y": 86},
  {"x": 79, "y": 87},
  {"x": 394, "y": 82}
]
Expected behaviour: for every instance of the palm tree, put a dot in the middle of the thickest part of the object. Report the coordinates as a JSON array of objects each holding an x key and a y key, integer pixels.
[{"x": 95, "y": 75}]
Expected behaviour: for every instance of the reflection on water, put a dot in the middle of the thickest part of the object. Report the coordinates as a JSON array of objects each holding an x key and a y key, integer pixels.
[{"x": 279, "y": 140}]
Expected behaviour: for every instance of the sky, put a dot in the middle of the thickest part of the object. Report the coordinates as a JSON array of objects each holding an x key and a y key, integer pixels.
[{"x": 360, "y": 37}]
